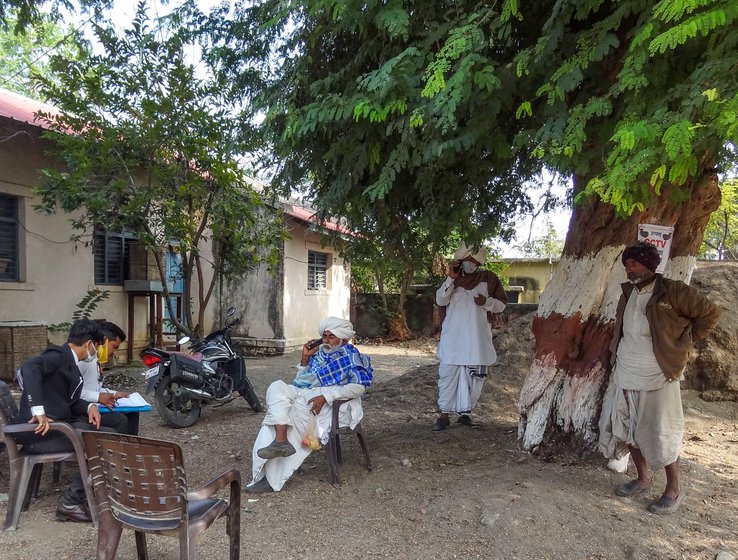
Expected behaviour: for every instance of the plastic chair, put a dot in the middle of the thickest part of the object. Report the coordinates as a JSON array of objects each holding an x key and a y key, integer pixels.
[
  {"x": 140, "y": 483},
  {"x": 333, "y": 447},
  {"x": 25, "y": 468}
]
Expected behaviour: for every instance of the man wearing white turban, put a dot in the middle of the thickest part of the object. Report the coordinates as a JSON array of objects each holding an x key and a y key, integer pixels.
[
  {"x": 467, "y": 299},
  {"x": 330, "y": 368}
]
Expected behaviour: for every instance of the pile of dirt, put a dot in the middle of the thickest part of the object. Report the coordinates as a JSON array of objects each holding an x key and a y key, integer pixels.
[{"x": 714, "y": 369}]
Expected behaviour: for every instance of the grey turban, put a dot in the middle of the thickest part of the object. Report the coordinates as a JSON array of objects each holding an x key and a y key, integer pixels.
[{"x": 342, "y": 328}]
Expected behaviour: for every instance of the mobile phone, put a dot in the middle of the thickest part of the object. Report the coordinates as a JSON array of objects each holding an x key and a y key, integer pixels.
[{"x": 314, "y": 343}]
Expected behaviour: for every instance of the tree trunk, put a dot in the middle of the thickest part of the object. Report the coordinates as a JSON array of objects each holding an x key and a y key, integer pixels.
[
  {"x": 561, "y": 397},
  {"x": 398, "y": 324}
]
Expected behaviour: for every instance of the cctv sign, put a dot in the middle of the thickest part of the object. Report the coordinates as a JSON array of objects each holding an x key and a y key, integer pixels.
[{"x": 660, "y": 237}]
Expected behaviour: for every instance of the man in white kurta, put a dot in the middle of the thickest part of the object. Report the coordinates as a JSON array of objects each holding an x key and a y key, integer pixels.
[
  {"x": 333, "y": 370},
  {"x": 468, "y": 296}
]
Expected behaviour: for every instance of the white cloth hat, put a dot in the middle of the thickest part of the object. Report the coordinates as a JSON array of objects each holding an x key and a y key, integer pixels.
[
  {"x": 342, "y": 328},
  {"x": 464, "y": 251}
]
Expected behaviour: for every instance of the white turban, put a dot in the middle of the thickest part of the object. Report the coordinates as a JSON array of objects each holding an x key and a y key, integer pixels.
[
  {"x": 464, "y": 251},
  {"x": 341, "y": 328}
]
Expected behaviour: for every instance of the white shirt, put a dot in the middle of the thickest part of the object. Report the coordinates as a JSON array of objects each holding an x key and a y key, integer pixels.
[{"x": 636, "y": 366}]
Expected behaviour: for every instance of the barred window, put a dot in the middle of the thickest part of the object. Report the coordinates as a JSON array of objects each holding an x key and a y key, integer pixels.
[
  {"x": 317, "y": 271},
  {"x": 8, "y": 239},
  {"x": 111, "y": 257}
]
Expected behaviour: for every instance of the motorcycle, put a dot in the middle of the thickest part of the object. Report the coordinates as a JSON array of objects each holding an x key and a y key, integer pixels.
[{"x": 210, "y": 373}]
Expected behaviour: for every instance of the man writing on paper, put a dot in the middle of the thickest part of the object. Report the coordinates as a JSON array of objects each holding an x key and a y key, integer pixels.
[
  {"x": 93, "y": 390},
  {"x": 52, "y": 388}
]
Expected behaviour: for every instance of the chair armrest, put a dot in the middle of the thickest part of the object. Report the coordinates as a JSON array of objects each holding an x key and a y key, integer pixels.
[
  {"x": 231, "y": 476},
  {"x": 62, "y": 427}
]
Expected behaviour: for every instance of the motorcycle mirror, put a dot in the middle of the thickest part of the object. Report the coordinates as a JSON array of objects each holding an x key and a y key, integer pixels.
[
  {"x": 231, "y": 311},
  {"x": 183, "y": 340}
]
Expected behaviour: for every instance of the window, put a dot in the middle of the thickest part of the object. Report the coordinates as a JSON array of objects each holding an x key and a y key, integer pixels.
[
  {"x": 111, "y": 257},
  {"x": 317, "y": 271},
  {"x": 8, "y": 238}
]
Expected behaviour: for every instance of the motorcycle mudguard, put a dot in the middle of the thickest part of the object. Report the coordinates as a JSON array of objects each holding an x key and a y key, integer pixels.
[{"x": 153, "y": 380}]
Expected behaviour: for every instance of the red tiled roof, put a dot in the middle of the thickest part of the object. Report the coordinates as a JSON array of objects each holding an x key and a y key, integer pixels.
[
  {"x": 309, "y": 216},
  {"x": 23, "y": 109}
]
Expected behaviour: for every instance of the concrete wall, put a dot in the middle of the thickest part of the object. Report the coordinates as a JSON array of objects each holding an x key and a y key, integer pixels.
[
  {"x": 56, "y": 273},
  {"x": 279, "y": 312},
  {"x": 532, "y": 274}
]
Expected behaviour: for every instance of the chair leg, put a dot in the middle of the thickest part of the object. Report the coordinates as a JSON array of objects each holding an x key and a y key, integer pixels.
[
  {"x": 233, "y": 528},
  {"x": 339, "y": 458},
  {"x": 56, "y": 472},
  {"x": 34, "y": 485},
  {"x": 20, "y": 476},
  {"x": 360, "y": 435},
  {"x": 141, "y": 550},
  {"x": 108, "y": 536},
  {"x": 333, "y": 459}
]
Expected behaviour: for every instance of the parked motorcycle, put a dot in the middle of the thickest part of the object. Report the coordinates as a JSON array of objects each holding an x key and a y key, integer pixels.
[{"x": 210, "y": 373}]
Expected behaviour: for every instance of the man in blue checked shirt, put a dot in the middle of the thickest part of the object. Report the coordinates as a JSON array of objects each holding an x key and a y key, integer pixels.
[{"x": 330, "y": 369}]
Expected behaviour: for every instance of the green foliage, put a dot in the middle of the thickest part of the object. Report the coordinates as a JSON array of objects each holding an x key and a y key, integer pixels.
[
  {"x": 150, "y": 147},
  {"x": 721, "y": 237},
  {"x": 24, "y": 54},
  {"x": 84, "y": 310}
]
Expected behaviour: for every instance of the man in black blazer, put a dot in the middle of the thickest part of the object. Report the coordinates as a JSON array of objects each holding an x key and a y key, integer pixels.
[{"x": 52, "y": 385}]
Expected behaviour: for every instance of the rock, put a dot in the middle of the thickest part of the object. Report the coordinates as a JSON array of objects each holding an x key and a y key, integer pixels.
[
  {"x": 489, "y": 519},
  {"x": 406, "y": 463},
  {"x": 724, "y": 556},
  {"x": 3, "y": 498}
]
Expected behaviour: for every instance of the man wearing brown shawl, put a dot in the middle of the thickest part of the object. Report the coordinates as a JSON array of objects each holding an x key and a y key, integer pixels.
[{"x": 468, "y": 296}]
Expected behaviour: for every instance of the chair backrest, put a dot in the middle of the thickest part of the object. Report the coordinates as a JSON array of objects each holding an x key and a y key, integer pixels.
[
  {"x": 141, "y": 480},
  {"x": 8, "y": 413},
  {"x": 8, "y": 408}
]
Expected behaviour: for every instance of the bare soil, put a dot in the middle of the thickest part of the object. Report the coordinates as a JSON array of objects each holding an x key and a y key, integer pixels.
[{"x": 462, "y": 493}]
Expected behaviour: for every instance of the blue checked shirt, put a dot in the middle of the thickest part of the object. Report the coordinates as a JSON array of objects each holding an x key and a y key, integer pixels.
[{"x": 345, "y": 365}]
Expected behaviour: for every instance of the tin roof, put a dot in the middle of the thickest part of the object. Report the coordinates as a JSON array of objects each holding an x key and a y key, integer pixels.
[{"x": 23, "y": 109}]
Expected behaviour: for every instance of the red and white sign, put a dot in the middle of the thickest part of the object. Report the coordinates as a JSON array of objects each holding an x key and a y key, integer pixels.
[{"x": 660, "y": 237}]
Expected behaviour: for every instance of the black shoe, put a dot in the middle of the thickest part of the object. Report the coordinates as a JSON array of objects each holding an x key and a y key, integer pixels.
[
  {"x": 259, "y": 487},
  {"x": 465, "y": 420},
  {"x": 276, "y": 449},
  {"x": 76, "y": 512},
  {"x": 440, "y": 425}
]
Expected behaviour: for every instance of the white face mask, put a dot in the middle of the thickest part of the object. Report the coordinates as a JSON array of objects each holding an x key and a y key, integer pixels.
[
  {"x": 90, "y": 355},
  {"x": 469, "y": 267}
]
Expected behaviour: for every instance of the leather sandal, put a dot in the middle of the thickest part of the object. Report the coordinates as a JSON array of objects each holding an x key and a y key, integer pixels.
[
  {"x": 632, "y": 488},
  {"x": 440, "y": 424},
  {"x": 665, "y": 505}
]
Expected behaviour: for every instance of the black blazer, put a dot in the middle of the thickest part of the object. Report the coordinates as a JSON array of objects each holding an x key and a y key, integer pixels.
[{"x": 53, "y": 380}]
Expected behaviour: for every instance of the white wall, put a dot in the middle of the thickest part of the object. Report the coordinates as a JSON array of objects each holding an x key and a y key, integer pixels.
[
  {"x": 304, "y": 308},
  {"x": 57, "y": 273}
]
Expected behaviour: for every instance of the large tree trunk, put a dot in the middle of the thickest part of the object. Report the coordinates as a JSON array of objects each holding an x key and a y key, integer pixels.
[{"x": 561, "y": 397}]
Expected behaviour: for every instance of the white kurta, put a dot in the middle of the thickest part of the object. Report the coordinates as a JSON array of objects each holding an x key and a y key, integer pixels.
[
  {"x": 288, "y": 405},
  {"x": 466, "y": 336}
]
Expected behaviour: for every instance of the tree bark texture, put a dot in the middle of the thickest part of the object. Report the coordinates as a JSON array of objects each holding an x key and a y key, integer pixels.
[{"x": 561, "y": 397}]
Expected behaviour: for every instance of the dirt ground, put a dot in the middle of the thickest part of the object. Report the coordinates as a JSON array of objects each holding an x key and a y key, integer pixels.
[{"x": 463, "y": 493}]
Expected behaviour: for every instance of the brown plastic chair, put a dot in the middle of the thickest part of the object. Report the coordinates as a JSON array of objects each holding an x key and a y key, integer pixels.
[
  {"x": 26, "y": 468},
  {"x": 140, "y": 483},
  {"x": 333, "y": 448}
]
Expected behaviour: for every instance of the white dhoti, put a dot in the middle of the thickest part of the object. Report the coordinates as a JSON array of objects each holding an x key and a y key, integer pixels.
[
  {"x": 288, "y": 405},
  {"x": 458, "y": 389},
  {"x": 652, "y": 421}
]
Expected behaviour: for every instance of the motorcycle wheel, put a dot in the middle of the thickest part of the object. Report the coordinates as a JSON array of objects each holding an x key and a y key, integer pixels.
[
  {"x": 252, "y": 399},
  {"x": 176, "y": 411}
]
